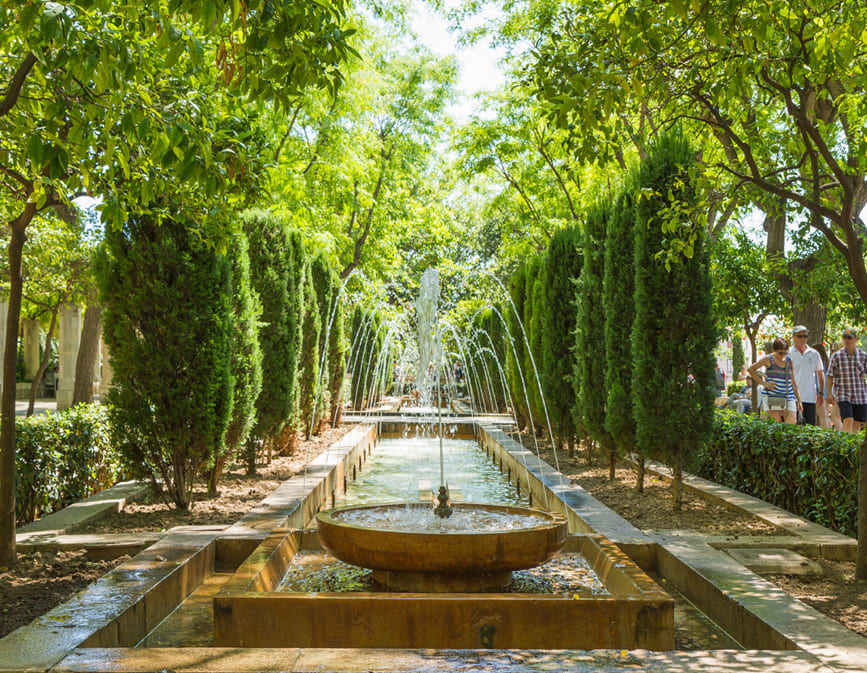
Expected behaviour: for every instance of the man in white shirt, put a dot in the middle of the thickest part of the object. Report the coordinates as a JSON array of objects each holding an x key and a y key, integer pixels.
[{"x": 809, "y": 373}]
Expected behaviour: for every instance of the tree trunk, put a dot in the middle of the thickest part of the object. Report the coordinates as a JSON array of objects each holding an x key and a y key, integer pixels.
[
  {"x": 612, "y": 464},
  {"x": 88, "y": 353},
  {"x": 754, "y": 388},
  {"x": 811, "y": 315},
  {"x": 677, "y": 483},
  {"x": 571, "y": 444},
  {"x": 46, "y": 357},
  {"x": 639, "y": 474},
  {"x": 250, "y": 456},
  {"x": 861, "y": 560},
  {"x": 8, "y": 556}
]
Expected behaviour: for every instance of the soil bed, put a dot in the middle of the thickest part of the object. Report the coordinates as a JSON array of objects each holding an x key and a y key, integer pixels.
[
  {"x": 238, "y": 494},
  {"x": 43, "y": 580},
  {"x": 836, "y": 593},
  {"x": 652, "y": 509}
]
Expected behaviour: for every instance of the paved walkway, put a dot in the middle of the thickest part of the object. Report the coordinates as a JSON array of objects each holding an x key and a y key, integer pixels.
[{"x": 40, "y": 407}]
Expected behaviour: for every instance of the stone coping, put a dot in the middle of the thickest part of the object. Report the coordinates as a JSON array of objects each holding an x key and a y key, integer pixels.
[
  {"x": 837, "y": 545},
  {"x": 296, "y": 660},
  {"x": 553, "y": 490},
  {"x": 77, "y": 515},
  {"x": 753, "y": 610},
  {"x": 296, "y": 500},
  {"x": 119, "y": 609}
]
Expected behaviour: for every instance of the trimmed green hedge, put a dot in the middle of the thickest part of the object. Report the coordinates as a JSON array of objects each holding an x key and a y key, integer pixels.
[
  {"x": 62, "y": 458},
  {"x": 803, "y": 469}
]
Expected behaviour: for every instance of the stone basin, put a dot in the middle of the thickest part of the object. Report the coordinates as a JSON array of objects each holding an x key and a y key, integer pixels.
[{"x": 448, "y": 559}]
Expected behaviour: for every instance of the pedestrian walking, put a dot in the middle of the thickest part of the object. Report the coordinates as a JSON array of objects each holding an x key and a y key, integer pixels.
[
  {"x": 809, "y": 374},
  {"x": 847, "y": 387},
  {"x": 780, "y": 397}
]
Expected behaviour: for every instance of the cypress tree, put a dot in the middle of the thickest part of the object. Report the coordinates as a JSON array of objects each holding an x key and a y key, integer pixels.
[
  {"x": 534, "y": 315},
  {"x": 274, "y": 254},
  {"x": 562, "y": 269},
  {"x": 325, "y": 284},
  {"x": 590, "y": 393},
  {"x": 246, "y": 356},
  {"x": 168, "y": 323},
  {"x": 336, "y": 359},
  {"x": 513, "y": 312},
  {"x": 619, "y": 311},
  {"x": 674, "y": 334},
  {"x": 308, "y": 365}
]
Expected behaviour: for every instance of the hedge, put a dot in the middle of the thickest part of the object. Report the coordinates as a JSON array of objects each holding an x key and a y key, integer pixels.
[
  {"x": 61, "y": 458},
  {"x": 806, "y": 470}
]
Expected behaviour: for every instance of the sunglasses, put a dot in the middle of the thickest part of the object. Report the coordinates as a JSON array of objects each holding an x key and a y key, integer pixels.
[
  {"x": 801, "y": 336},
  {"x": 847, "y": 337}
]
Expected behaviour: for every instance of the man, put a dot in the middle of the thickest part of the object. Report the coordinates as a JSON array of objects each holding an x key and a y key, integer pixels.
[
  {"x": 809, "y": 373},
  {"x": 846, "y": 383}
]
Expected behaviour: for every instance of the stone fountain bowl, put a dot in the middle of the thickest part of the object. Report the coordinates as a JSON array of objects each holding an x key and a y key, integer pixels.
[{"x": 409, "y": 549}]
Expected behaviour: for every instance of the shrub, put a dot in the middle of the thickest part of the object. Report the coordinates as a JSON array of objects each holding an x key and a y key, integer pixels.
[
  {"x": 734, "y": 387},
  {"x": 806, "y": 470},
  {"x": 62, "y": 458}
]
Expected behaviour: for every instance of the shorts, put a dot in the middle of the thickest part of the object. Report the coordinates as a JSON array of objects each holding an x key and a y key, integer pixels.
[{"x": 857, "y": 412}]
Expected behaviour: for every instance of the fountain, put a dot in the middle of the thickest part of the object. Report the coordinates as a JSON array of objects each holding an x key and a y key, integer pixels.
[{"x": 462, "y": 547}]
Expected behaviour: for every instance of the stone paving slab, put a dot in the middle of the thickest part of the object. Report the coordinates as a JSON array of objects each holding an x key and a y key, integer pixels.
[
  {"x": 770, "y": 561},
  {"x": 75, "y": 516},
  {"x": 230, "y": 660},
  {"x": 101, "y": 546},
  {"x": 752, "y": 609}
]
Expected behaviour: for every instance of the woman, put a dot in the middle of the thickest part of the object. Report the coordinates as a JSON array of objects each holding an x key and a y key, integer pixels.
[{"x": 780, "y": 397}]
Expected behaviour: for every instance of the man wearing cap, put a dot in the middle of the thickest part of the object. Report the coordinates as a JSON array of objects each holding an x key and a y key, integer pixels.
[
  {"x": 846, "y": 371},
  {"x": 809, "y": 373}
]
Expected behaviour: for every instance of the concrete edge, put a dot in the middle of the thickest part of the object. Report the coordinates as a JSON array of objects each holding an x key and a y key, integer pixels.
[
  {"x": 78, "y": 514},
  {"x": 753, "y": 610},
  {"x": 288, "y": 660}
]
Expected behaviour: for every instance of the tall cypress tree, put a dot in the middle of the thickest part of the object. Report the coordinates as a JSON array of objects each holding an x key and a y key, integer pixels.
[
  {"x": 590, "y": 393},
  {"x": 562, "y": 269},
  {"x": 336, "y": 358},
  {"x": 534, "y": 298},
  {"x": 308, "y": 362},
  {"x": 618, "y": 300},
  {"x": 674, "y": 334},
  {"x": 246, "y": 356},
  {"x": 513, "y": 313},
  {"x": 168, "y": 323},
  {"x": 278, "y": 269},
  {"x": 325, "y": 284}
]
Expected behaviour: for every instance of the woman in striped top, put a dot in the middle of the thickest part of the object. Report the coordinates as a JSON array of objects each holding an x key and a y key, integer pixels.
[{"x": 780, "y": 397}]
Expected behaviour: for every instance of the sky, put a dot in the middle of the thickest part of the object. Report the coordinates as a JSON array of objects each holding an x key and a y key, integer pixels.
[{"x": 479, "y": 64}]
